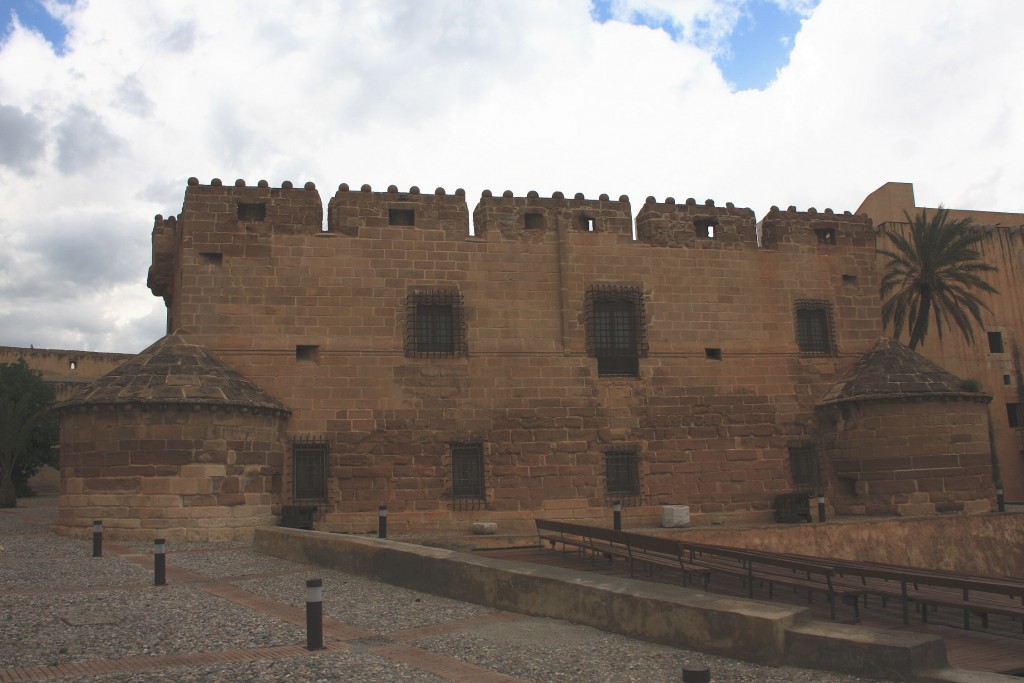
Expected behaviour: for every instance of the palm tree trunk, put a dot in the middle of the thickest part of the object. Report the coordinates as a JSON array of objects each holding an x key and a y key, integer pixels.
[{"x": 917, "y": 331}]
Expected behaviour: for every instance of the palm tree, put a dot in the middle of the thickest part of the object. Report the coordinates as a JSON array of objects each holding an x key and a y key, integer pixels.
[{"x": 934, "y": 271}]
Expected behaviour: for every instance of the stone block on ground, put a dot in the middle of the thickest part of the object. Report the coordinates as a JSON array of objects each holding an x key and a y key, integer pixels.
[{"x": 675, "y": 515}]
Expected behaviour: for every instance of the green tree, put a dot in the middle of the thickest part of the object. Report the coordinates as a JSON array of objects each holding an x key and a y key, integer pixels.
[
  {"x": 933, "y": 271},
  {"x": 28, "y": 428}
]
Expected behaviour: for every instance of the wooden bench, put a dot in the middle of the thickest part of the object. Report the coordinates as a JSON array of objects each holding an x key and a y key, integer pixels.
[
  {"x": 974, "y": 595},
  {"x": 702, "y": 560}
]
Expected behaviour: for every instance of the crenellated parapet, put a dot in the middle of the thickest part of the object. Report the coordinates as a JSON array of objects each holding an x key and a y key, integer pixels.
[
  {"x": 351, "y": 211},
  {"x": 811, "y": 228},
  {"x": 258, "y": 209},
  {"x": 534, "y": 216},
  {"x": 693, "y": 225},
  {"x": 165, "y": 249}
]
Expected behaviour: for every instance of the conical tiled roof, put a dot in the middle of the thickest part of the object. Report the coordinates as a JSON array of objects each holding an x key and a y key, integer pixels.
[
  {"x": 174, "y": 371},
  {"x": 892, "y": 371}
]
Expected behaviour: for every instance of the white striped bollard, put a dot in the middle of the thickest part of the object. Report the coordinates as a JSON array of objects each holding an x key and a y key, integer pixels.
[
  {"x": 315, "y": 614},
  {"x": 97, "y": 538},
  {"x": 160, "y": 562}
]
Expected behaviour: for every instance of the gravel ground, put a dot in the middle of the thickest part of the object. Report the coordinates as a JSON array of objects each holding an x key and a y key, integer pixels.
[{"x": 59, "y": 605}]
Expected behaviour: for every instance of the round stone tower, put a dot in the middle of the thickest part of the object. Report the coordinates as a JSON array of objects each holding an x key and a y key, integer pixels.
[
  {"x": 172, "y": 444},
  {"x": 902, "y": 436}
]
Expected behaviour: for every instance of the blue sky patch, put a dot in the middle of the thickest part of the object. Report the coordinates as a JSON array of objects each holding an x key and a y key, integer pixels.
[
  {"x": 33, "y": 15},
  {"x": 759, "y": 45},
  {"x": 756, "y": 48}
]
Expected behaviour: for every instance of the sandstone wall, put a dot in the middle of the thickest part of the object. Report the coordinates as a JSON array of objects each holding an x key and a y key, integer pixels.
[
  {"x": 317, "y": 317},
  {"x": 181, "y": 473},
  {"x": 909, "y": 457}
]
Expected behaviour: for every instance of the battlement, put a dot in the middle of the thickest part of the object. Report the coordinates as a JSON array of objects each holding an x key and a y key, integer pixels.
[
  {"x": 533, "y": 216},
  {"x": 668, "y": 224},
  {"x": 350, "y": 212},
  {"x": 260, "y": 209},
  {"x": 813, "y": 228}
]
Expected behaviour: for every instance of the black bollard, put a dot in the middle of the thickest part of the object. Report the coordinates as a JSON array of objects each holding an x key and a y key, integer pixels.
[
  {"x": 617, "y": 516},
  {"x": 160, "y": 563},
  {"x": 821, "y": 508},
  {"x": 97, "y": 538},
  {"x": 1000, "y": 500},
  {"x": 315, "y": 614},
  {"x": 696, "y": 674}
]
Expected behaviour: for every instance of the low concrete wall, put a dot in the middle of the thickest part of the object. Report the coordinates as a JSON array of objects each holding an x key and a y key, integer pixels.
[
  {"x": 991, "y": 544},
  {"x": 766, "y": 633}
]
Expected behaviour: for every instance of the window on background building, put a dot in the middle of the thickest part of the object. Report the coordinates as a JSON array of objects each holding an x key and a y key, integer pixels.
[
  {"x": 1014, "y": 416},
  {"x": 468, "y": 485},
  {"x": 435, "y": 325},
  {"x": 995, "y": 342},
  {"x": 615, "y": 329},
  {"x": 622, "y": 476},
  {"x": 805, "y": 466},
  {"x": 309, "y": 470},
  {"x": 815, "y": 329}
]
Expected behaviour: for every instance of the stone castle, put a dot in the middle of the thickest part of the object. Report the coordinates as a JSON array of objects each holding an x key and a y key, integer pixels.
[{"x": 557, "y": 358}]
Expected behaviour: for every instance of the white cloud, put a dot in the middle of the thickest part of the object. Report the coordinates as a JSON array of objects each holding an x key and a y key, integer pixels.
[{"x": 498, "y": 95}]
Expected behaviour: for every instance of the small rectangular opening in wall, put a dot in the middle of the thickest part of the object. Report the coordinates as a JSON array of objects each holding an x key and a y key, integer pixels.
[
  {"x": 705, "y": 227},
  {"x": 211, "y": 258},
  {"x": 588, "y": 224},
  {"x": 533, "y": 220},
  {"x": 72, "y": 364},
  {"x": 995, "y": 342},
  {"x": 307, "y": 353},
  {"x": 1007, "y": 380},
  {"x": 825, "y": 235},
  {"x": 1013, "y": 416},
  {"x": 849, "y": 279},
  {"x": 713, "y": 354},
  {"x": 401, "y": 217},
  {"x": 252, "y": 212}
]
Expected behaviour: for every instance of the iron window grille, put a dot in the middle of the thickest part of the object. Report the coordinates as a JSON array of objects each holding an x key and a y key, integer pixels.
[
  {"x": 309, "y": 469},
  {"x": 616, "y": 334},
  {"x": 435, "y": 325},
  {"x": 468, "y": 488},
  {"x": 622, "y": 476},
  {"x": 815, "y": 327},
  {"x": 805, "y": 465}
]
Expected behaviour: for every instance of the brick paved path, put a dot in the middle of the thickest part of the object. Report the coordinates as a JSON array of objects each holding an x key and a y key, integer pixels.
[{"x": 338, "y": 636}]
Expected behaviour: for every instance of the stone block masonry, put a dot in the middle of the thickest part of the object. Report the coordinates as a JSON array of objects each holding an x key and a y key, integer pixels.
[{"x": 545, "y": 362}]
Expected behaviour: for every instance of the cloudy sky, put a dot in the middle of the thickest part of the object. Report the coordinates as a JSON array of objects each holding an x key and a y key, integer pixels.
[{"x": 107, "y": 107}]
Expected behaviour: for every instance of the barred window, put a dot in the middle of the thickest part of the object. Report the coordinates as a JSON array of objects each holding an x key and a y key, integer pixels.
[
  {"x": 622, "y": 476},
  {"x": 804, "y": 465},
  {"x": 309, "y": 469},
  {"x": 616, "y": 334},
  {"x": 468, "y": 488},
  {"x": 435, "y": 325},
  {"x": 815, "y": 329}
]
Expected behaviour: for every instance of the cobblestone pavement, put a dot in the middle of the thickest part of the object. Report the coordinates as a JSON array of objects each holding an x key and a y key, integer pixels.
[{"x": 229, "y": 614}]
